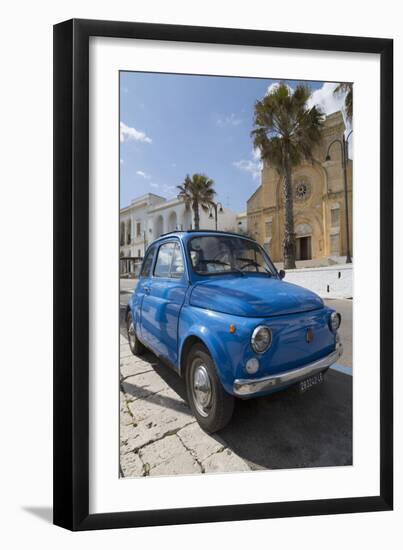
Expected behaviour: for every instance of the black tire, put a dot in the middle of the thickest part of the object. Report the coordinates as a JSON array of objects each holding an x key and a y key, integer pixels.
[
  {"x": 217, "y": 411},
  {"x": 136, "y": 347}
]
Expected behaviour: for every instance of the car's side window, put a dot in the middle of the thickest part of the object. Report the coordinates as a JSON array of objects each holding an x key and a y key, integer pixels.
[
  {"x": 146, "y": 268},
  {"x": 177, "y": 267},
  {"x": 164, "y": 260}
]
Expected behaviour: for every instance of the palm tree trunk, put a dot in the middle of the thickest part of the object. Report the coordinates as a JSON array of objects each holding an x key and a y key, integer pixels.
[
  {"x": 196, "y": 215},
  {"x": 289, "y": 231}
]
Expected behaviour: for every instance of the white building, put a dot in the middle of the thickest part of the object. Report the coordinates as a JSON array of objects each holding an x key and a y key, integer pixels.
[
  {"x": 242, "y": 222},
  {"x": 134, "y": 225},
  {"x": 149, "y": 216}
]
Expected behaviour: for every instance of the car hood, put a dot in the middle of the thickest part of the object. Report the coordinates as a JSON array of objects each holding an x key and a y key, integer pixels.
[{"x": 253, "y": 296}]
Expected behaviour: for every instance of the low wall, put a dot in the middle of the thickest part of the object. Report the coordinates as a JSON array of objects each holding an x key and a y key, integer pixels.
[{"x": 329, "y": 282}]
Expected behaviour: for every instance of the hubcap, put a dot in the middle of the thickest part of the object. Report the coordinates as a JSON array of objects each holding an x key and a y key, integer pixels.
[
  {"x": 131, "y": 333},
  {"x": 201, "y": 389}
]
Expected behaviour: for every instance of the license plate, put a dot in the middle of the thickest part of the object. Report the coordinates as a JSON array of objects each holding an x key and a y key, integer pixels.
[{"x": 308, "y": 383}]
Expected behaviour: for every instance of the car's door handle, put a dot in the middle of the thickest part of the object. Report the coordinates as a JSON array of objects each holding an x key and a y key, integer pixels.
[{"x": 146, "y": 289}]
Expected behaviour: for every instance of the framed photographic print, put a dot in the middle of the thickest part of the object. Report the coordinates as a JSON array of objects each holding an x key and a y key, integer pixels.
[{"x": 223, "y": 303}]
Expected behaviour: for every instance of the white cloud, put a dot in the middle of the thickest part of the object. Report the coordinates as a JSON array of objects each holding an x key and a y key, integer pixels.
[
  {"x": 143, "y": 174},
  {"x": 169, "y": 190},
  {"x": 325, "y": 98},
  {"x": 253, "y": 167},
  {"x": 275, "y": 85},
  {"x": 121, "y": 161},
  {"x": 256, "y": 153},
  {"x": 228, "y": 120},
  {"x": 131, "y": 134}
]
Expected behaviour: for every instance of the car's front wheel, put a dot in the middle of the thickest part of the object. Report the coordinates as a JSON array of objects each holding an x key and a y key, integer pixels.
[
  {"x": 136, "y": 347},
  {"x": 210, "y": 403}
]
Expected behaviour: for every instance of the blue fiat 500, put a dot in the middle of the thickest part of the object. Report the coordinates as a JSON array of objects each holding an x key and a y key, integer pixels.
[{"x": 213, "y": 306}]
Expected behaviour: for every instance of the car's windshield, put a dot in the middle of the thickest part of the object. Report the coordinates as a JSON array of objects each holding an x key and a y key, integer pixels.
[{"x": 220, "y": 254}]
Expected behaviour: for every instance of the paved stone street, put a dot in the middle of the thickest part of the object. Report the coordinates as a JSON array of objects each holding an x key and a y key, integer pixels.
[{"x": 158, "y": 434}]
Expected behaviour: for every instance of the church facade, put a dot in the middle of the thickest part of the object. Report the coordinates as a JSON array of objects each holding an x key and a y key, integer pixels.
[{"x": 319, "y": 203}]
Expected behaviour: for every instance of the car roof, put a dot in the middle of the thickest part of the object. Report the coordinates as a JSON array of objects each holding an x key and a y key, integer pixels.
[{"x": 195, "y": 232}]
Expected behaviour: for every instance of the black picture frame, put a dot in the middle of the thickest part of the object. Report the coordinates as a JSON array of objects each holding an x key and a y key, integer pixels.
[{"x": 71, "y": 274}]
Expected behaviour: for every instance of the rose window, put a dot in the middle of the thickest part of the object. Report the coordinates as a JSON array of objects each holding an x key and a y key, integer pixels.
[{"x": 302, "y": 190}]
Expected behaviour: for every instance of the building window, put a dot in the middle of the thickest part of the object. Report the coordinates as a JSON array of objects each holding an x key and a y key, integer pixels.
[
  {"x": 335, "y": 217},
  {"x": 267, "y": 229},
  {"x": 138, "y": 253},
  {"x": 138, "y": 229},
  {"x": 129, "y": 232},
  {"x": 334, "y": 244},
  {"x": 302, "y": 189}
]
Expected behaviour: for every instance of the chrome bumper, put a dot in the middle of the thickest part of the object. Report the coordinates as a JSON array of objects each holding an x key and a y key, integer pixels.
[{"x": 247, "y": 387}]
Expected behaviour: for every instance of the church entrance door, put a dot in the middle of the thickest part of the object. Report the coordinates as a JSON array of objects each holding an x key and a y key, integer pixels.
[{"x": 304, "y": 248}]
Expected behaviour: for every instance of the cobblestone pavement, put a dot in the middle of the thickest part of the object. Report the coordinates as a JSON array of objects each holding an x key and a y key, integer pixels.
[{"x": 158, "y": 434}]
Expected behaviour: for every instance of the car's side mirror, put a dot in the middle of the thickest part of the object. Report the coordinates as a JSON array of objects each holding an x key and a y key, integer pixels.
[{"x": 281, "y": 273}]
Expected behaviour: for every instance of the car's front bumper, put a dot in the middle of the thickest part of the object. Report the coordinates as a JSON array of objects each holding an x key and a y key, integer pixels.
[{"x": 247, "y": 387}]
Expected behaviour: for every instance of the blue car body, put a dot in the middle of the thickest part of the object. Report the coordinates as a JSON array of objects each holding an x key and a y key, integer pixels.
[{"x": 171, "y": 314}]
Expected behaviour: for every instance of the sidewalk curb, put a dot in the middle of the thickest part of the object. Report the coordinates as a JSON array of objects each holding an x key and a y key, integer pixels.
[{"x": 342, "y": 369}]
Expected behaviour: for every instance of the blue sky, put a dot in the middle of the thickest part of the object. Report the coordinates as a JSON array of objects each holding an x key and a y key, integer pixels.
[{"x": 173, "y": 125}]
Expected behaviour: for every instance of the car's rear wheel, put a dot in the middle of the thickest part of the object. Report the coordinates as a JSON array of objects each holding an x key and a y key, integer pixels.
[
  {"x": 210, "y": 403},
  {"x": 136, "y": 347}
]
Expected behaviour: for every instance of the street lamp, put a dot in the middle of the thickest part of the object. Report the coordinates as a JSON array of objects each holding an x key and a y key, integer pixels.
[
  {"x": 218, "y": 209},
  {"x": 344, "y": 158}
]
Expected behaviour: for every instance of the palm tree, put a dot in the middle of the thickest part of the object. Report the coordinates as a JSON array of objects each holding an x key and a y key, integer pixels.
[
  {"x": 285, "y": 133},
  {"x": 346, "y": 88},
  {"x": 197, "y": 191}
]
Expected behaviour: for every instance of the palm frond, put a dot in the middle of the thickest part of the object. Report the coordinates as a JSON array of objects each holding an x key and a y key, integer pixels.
[
  {"x": 197, "y": 191},
  {"x": 347, "y": 89},
  {"x": 285, "y": 129}
]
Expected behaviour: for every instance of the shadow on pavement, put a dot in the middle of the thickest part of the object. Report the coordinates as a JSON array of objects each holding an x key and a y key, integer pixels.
[
  {"x": 140, "y": 393},
  {"x": 292, "y": 430}
]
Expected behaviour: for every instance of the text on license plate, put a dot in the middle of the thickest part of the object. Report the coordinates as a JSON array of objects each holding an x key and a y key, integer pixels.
[{"x": 308, "y": 383}]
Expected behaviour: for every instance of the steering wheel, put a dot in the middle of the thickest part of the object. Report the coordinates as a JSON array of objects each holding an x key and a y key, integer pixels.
[{"x": 248, "y": 263}]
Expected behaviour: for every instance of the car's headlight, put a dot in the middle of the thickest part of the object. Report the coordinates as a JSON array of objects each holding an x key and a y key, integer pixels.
[
  {"x": 261, "y": 339},
  {"x": 334, "y": 321}
]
